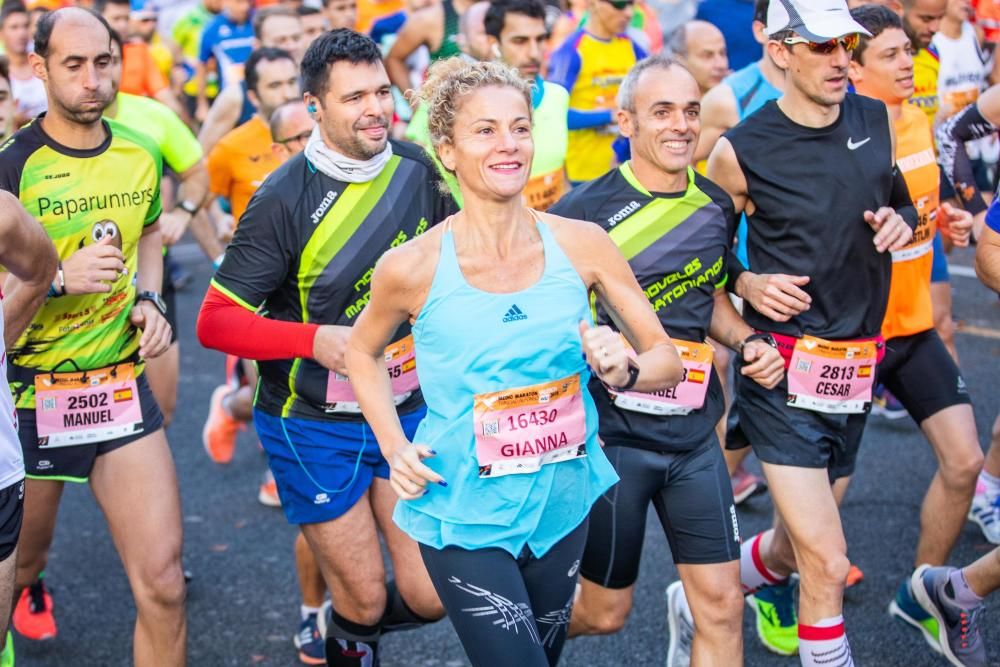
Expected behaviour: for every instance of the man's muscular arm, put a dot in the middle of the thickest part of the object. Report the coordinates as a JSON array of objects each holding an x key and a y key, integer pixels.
[{"x": 29, "y": 256}]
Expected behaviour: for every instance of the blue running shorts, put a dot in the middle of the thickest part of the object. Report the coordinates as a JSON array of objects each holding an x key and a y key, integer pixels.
[{"x": 323, "y": 467}]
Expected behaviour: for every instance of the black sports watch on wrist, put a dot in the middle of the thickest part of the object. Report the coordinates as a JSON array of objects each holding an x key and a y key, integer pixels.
[
  {"x": 154, "y": 298},
  {"x": 633, "y": 376},
  {"x": 766, "y": 337},
  {"x": 188, "y": 207}
]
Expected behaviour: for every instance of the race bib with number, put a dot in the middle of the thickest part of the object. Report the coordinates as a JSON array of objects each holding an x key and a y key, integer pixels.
[
  {"x": 401, "y": 366},
  {"x": 87, "y": 407},
  {"x": 923, "y": 238},
  {"x": 686, "y": 397},
  {"x": 520, "y": 430},
  {"x": 832, "y": 376},
  {"x": 544, "y": 190}
]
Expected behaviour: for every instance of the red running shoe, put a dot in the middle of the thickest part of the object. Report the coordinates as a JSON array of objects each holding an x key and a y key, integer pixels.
[{"x": 33, "y": 617}]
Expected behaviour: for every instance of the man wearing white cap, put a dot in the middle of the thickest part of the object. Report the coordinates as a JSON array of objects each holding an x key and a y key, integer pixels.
[{"x": 828, "y": 206}]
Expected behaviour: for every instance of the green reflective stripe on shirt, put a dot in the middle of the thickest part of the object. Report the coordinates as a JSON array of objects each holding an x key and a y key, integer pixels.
[
  {"x": 337, "y": 226},
  {"x": 233, "y": 296},
  {"x": 343, "y": 219},
  {"x": 629, "y": 175},
  {"x": 657, "y": 218}
]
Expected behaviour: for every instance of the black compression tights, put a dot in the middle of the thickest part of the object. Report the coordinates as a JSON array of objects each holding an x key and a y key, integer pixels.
[{"x": 509, "y": 612}]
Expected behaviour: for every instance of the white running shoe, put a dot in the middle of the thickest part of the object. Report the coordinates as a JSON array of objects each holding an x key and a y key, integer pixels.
[
  {"x": 681, "y": 627},
  {"x": 985, "y": 511}
]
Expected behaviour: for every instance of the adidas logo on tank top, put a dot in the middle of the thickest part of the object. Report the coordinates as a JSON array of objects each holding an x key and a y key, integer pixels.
[{"x": 514, "y": 315}]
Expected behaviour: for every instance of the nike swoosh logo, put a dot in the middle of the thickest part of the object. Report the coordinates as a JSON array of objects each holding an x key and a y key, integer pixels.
[{"x": 852, "y": 146}]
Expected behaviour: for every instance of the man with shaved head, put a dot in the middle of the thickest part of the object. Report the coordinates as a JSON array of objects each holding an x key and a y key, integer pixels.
[
  {"x": 85, "y": 408},
  {"x": 701, "y": 48},
  {"x": 290, "y": 126}
]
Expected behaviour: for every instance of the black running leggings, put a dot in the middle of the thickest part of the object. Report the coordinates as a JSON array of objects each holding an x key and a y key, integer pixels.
[{"x": 509, "y": 612}]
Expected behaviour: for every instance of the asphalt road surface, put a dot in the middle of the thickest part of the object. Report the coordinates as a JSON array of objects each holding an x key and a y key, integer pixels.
[{"x": 243, "y": 601}]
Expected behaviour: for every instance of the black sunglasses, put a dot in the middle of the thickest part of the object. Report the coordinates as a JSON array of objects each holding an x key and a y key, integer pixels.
[{"x": 303, "y": 138}]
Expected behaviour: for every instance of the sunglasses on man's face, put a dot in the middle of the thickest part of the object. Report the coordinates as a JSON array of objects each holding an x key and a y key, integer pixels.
[
  {"x": 848, "y": 42},
  {"x": 620, "y": 4},
  {"x": 301, "y": 138}
]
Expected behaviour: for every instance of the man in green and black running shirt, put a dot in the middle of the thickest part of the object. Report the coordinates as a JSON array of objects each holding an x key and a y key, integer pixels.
[
  {"x": 85, "y": 407},
  {"x": 303, "y": 257},
  {"x": 674, "y": 228}
]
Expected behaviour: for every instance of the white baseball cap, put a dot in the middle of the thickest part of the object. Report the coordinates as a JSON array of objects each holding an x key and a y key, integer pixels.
[{"x": 816, "y": 20}]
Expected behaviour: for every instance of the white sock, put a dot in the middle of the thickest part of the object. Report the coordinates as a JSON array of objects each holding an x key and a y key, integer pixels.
[
  {"x": 988, "y": 484},
  {"x": 308, "y": 611},
  {"x": 825, "y": 644},
  {"x": 753, "y": 573}
]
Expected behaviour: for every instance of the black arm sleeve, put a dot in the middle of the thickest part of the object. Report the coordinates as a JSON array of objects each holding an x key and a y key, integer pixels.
[
  {"x": 900, "y": 199},
  {"x": 736, "y": 269},
  {"x": 967, "y": 125}
]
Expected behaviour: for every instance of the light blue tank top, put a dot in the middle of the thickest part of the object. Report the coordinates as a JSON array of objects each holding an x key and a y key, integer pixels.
[
  {"x": 752, "y": 91},
  {"x": 468, "y": 342}
]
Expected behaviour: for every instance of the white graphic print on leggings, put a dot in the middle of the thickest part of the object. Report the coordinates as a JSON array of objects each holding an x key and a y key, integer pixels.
[{"x": 511, "y": 615}]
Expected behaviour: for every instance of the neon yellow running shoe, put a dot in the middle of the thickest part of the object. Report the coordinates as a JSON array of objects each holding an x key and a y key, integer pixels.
[
  {"x": 777, "y": 622},
  {"x": 7, "y": 656},
  {"x": 908, "y": 610}
]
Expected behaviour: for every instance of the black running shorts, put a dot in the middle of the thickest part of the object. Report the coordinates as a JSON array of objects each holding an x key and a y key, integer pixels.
[
  {"x": 919, "y": 372},
  {"x": 787, "y": 436},
  {"x": 74, "y": 463},
  {"x": 11, "y": 514},
  {"x": 692, "y": 496}
]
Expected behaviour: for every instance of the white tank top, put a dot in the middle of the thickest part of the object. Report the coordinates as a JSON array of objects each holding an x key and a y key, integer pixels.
[
  {"x": 11, "y": 459},
  {"x": 29, "y": 95},
  {"x": 962, "y": 74}
]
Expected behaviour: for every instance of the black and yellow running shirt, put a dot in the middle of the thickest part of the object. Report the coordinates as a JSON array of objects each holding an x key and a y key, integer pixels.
[
  {"x": 81, "y": 197},
  {"x": 677, "y": 245},
  {"x": 305, "y": 251}
]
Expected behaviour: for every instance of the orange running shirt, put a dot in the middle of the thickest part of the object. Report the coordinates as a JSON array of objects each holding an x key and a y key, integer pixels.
[
  {"x": 140, "y": 74},
  {"x": 909, "y": 311},
  {"x": 240, "y": 162}
]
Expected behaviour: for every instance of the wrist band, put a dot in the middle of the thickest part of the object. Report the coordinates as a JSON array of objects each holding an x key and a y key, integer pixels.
[
  {"x": 217, "y": 262},
  {"x": 61, "y": 279}
]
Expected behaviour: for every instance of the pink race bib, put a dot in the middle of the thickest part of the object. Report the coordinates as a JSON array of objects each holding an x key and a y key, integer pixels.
[
  {"x": 832, "y": 376},
  {"x": 83, "y": 408},
  {"x": 683, "y": 399},
  {"x": 520, "y": 430},
  {"x": 401, "y": 366}
]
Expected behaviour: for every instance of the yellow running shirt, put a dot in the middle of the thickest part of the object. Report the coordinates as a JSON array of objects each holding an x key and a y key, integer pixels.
[
  {"x": 80, "y": 197},
  {"x": 925, "y": 82}
]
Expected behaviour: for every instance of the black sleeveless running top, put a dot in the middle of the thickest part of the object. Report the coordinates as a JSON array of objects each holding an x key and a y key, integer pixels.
[{"x": 811, "y": 187}]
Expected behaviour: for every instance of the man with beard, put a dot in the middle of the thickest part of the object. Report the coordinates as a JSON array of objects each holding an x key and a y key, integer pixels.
[
  {"x": 303, "y": 254},
  {"x": 85, "y": 408}
]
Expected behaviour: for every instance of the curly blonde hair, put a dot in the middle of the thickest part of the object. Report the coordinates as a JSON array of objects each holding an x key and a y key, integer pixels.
[{"x": 451, "y": 79}]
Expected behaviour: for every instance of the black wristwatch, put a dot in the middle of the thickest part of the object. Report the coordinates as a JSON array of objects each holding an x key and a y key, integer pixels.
[
  {"x": 633, "y": 376},
  {"x": 188, "y": 207},
  {"x": 155, "y": 299},
  {"x": 766, "y": 337}
]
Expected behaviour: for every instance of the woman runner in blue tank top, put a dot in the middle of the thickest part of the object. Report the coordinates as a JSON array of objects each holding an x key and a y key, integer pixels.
[{"x": 507, "y": 462}]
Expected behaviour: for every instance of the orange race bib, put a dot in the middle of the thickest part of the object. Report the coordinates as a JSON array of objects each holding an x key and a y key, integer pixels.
[{"x": 544, "y": 190}]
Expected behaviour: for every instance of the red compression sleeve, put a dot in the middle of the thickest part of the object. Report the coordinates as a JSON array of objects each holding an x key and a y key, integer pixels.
[{"x": 227, "y": 326}]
